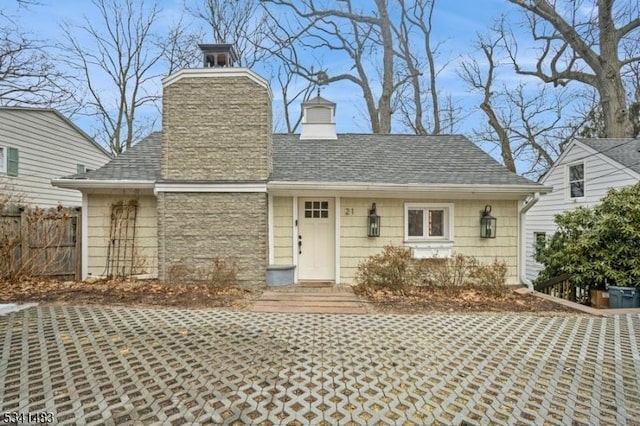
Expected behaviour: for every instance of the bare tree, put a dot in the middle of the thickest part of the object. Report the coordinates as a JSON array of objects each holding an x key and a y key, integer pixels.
[
  {"x": 418, "y": 55},
  {"x": 180, "y": 46},
  {"x": 585, "y": 47},
  {"x": 471, "y": 72},
  {"x": 116, "y": 59},
  {"x": 27, "y": 74},
  {"x": 528, "y": 125},
  {"x": 360, "y": 36},
  {"x": 243, "y": 23}
]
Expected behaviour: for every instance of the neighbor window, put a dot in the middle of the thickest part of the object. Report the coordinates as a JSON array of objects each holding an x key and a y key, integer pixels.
[
  {"x": 539, "y": 238},
  {"x": 576, "y": 180},
  {"x": 9, "y": 161},
  {"x": 427, "y": 221}
]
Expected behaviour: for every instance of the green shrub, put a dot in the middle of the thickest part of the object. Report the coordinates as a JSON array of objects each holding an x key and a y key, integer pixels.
[
  {"x": 392, "y": 269},
  {"x": 599, "y": 245}
]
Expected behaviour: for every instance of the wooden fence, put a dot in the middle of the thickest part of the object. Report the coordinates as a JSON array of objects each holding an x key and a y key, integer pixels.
[{"x": 44, "y": 243}]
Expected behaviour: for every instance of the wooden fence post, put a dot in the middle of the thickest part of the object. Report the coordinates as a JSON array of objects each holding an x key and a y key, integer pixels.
[{"x": 25, "y": 238}]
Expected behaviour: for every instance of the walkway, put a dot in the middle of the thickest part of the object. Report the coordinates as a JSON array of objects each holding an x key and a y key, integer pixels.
[
  {"x": 100, "y": 365},
  {"x": 310, "y": 299}
]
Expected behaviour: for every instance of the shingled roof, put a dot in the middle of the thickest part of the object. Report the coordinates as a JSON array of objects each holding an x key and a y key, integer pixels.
[
  {"x": 625, "y": 151},
  {"x": 395, "y": 159},
  {"x": 352, "y": 158},
  {"x": 141, "y": 163}
]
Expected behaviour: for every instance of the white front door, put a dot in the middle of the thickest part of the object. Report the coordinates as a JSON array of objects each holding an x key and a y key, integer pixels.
[{"x": 316, "y": 239}]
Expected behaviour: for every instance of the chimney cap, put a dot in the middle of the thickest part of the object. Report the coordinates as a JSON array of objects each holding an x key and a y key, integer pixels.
[{"x": 212, "y": 51}]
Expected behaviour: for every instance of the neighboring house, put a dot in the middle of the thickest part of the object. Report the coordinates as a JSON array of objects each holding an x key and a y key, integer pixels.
[
  {"x": 38, "y": 145},
  {"x": 218, "y": 183},
  {"x": 581, "y": 176}
]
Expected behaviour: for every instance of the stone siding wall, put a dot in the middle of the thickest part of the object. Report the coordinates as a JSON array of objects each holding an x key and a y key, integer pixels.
[
  {"x": 196, "y": 228},
  {"x": 216, "y": 128}
]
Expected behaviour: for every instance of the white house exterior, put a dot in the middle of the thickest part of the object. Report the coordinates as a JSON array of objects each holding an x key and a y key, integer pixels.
[
  {"x": 38, "y": 145},
  {"x": 581, "y": 176}
]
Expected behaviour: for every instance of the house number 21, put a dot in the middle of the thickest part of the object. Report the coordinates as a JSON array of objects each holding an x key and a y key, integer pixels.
[{"x": 348, "y": 211}]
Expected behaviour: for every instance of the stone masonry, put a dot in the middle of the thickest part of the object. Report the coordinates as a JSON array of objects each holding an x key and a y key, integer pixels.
[
  {"x": 198, "y": 227},
  {"x": 216, "y": 128},
  {"x": 216, "y": 132}
]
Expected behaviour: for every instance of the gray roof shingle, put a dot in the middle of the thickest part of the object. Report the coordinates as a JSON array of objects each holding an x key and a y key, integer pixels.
[
  {"x": 395, "y": 159},
  {"x": 625, "y": 151},
  {"x": 352, "y": 158},
  {"x": 140, "y": 162}
]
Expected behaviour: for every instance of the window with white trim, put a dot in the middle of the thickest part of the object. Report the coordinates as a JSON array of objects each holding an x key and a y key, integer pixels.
[
  {"x": 427, "y": 222},
  {"x": 576, "y": 180}
]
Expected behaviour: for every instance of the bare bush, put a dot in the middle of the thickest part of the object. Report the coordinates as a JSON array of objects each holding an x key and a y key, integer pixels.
[{"x": 392, "y": 270}]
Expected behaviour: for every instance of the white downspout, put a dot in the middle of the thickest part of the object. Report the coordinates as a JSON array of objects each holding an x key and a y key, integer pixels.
[
  {"x": 522, "y": 238},
  {"x": 84, "y": 243}
]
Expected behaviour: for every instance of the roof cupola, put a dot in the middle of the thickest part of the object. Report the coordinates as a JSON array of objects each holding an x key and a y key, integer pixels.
[{"x": 318, "y": 119}]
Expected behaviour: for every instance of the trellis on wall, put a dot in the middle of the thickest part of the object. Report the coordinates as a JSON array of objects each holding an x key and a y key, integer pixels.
[{"x": 122, "y": 233}]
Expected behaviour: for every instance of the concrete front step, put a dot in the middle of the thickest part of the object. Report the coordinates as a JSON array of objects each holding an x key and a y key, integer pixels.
[
  {"x": 337, "y": 303},
  {"x": 309, "y": 310}
]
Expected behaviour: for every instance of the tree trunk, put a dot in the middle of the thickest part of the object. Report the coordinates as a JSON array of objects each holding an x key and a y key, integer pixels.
[{"x": 385, "y": 110}]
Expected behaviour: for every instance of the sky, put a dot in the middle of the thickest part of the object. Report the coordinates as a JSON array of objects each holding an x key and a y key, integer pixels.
[{"x": 456, "y": 23}]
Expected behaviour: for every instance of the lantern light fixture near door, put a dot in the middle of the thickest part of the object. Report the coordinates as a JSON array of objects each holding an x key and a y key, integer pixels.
[
  {"x": 487, "y": 223},
  {"x": 373, "y": 222}
]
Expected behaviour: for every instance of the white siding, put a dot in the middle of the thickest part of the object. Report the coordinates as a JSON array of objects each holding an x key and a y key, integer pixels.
[
  {"x": 49, "y": 148},
  {"x": 601, "y": 174}
]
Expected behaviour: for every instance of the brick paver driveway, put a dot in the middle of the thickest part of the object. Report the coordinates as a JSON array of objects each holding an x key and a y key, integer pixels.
[{"x": 95, "y": 365}]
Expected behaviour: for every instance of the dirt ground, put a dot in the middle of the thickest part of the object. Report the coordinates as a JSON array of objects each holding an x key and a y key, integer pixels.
[{"x": 195, "y": 296}]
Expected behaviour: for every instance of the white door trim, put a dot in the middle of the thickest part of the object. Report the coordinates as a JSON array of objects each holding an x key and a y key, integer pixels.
[
  {"x": 294, "y": 238},
  {"x": 336, "y": 249}
]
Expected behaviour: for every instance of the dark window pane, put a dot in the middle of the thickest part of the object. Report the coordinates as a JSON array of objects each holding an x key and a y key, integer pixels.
[
  {"x": 576, "y": 172},
  {"x": 324, "y": 214},
  {"x": 316, "y": 213},
  {"x": 316, "y": 204},
  {"x": 577, "y": 189},
  {"x": 416, "y": 223},
  {"x": 307, "y": 213},
  {"x": 436, "y": 223},
  {"x": 325, "y": 205},
  {"x": 307, "y": 205}
]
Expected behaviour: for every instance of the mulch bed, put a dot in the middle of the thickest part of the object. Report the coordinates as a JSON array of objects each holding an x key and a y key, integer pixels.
[
  {"x": 194, "y": 296},
  {"x": 123, "y": 292},
  {"x": 424, "y": 301}
]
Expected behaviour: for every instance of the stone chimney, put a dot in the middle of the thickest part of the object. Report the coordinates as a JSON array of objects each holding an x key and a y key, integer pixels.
[
  {"x": 318, "y": 119},
  {"x": 216, "y": 159}
]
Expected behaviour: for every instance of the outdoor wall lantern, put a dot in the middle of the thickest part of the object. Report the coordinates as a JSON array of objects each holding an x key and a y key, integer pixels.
[
  {"x": 487, "y": 223},
  {"x": 373, "y": 228}
]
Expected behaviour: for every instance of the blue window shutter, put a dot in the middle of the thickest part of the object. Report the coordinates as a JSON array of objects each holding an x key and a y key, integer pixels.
[{"x": 12, "y": 161}]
